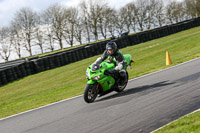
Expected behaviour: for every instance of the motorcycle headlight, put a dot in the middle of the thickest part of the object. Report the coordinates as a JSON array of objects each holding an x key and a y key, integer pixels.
[
  {"x": 87, "y": 75},
  {"x": 96, "y": 77}
]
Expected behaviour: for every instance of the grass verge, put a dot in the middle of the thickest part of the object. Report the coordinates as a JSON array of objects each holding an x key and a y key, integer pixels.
[
  {"x": 68, "y": 81},
  {"x": 187, "y": 124}
]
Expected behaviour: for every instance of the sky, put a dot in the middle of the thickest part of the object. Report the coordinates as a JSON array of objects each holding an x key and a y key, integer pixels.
[{"x": 8, "y": 8}]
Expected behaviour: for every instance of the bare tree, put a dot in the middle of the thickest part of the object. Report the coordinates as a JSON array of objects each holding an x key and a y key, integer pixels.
[
  {"x": 56, "y": 15},
  {"x": 50, "y": 38},
  {"x": 49, "y": 33},
  {"x": 159, "y": 13},
  {"x": 5, "y": 45},
  {"x": 112, "y": 22},
  {"x": 39, "y": 34},
  {"x": 151, "y": 10},
  {"x": 106, "y": 20},
  {"x": 122, "y": 19},
  {"x": 193, "y": 7},
  {"x": 181, "y": 12},
  {"x": 141, "y": 15},
  {"x": 170, "y": 12},
  {"x": 16, "y": 40},
  {"x": 131, "y": 16},
  {"x": 26, "y": 20},
  {"x": 71, "y": 20},
  {"x": 85, "y": 14},
  {"x": 39, "y": 37},
  {"x": 92, "y": 11},
  {"x": 78, "y": 31},
  {"x": 174, "y": 11}
]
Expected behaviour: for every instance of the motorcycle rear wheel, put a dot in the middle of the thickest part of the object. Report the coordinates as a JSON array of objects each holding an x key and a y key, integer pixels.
[{"x": 90, "y": 93}]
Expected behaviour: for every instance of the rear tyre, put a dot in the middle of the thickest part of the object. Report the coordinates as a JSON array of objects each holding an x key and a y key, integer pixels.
[
  {"x": 90, "y": 93},
  {"x": 120, "y": 88}
]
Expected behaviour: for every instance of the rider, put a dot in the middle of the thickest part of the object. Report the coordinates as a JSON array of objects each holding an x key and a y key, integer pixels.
[{"x": 114, "y": 54}]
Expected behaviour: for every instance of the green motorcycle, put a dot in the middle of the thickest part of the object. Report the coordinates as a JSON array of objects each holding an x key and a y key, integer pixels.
[{"x": 101, "y": 83}]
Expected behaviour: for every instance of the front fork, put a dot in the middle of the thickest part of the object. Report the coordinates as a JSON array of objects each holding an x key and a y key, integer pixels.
[
  {"x": 91, "y": 82},
  {"x": 96, "y": 86}
]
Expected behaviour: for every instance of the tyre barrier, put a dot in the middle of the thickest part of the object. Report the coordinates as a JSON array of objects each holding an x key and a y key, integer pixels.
[
  {"x": 30, "y": 68},
  {"x": 13, "y": 74},
  {"x": 36, "y": 64},
  {"x": 17, "y": 72},
  {"x": 47, "y": 63},
  {"x": 50, "y": 61},
  {"x": 3, "y": 77},
  {"x": 9, "y": 76},
  {"x": 80, "y": 54},
  {"x": 100, "y": 47}
]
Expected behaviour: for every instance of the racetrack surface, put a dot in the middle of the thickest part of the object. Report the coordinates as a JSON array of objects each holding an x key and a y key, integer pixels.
[{"x": 146, "y": 104}]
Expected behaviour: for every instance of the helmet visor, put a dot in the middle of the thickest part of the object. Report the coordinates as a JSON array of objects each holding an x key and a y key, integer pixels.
[{"x": 111, "y": 51}]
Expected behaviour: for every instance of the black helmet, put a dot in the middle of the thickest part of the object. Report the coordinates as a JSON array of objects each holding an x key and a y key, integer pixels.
[{"x": 111, "y": 46}]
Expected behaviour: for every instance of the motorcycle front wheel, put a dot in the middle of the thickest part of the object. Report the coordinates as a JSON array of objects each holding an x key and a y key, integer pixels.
[
  {"x": 90, "y": 93},
  {"x": 120, "y": 88}
]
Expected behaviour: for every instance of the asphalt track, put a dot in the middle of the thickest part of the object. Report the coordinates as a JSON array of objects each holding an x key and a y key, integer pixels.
[{"x": 148, "y": 103}]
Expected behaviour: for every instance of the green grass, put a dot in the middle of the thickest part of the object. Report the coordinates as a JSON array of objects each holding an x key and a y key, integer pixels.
[
  {"x": 68, "y": 81},
  {"x": 187, "y": 124}
]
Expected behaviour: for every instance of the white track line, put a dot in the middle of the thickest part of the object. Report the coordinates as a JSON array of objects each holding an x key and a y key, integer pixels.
[
  {"x": 81, "y": 95},
  {"x": 165, "y": 69},
  {"x": 40, "y": 107},
  {"x": 175, "y": 120}
]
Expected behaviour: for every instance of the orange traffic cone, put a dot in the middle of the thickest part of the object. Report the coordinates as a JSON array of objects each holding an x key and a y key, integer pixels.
[{"x": 168, "y": 60}]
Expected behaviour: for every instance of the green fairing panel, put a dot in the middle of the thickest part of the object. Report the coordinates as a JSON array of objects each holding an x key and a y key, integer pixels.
[
  {"x": 128, "y": 58},
  {"x": 106, "y": 85},
  {"x": 91, "y": 82}
]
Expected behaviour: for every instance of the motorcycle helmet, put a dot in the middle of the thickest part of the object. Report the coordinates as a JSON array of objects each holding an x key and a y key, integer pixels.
[{"x": 111, "y": 47}]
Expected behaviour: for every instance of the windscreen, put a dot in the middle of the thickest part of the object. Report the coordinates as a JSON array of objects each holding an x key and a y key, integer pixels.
[{"x": 96, "y": 67}]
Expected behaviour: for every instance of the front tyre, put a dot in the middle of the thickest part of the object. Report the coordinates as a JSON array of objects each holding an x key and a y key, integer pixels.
[{"x": 90, "y": 93}]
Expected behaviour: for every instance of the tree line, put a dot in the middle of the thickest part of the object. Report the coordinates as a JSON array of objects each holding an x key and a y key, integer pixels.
[{"x": 59, "y": 26}]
